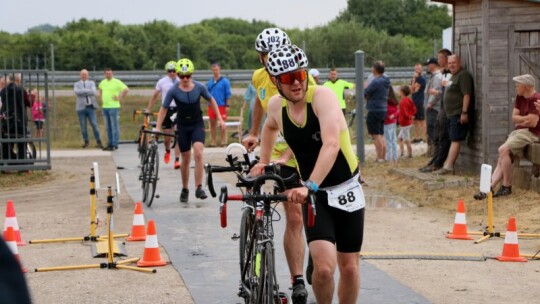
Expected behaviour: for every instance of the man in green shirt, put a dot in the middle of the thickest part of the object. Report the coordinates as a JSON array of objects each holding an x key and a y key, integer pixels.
[
  {"x": 112, "y": 92},
  {"x": 338, "y": 86}
]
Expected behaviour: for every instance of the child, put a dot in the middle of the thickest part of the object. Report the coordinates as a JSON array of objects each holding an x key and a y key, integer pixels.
[
  {"x": 390, "y": 127},
  {"x": 407, "y": 110},
  {"x": 38, "y": 112}
]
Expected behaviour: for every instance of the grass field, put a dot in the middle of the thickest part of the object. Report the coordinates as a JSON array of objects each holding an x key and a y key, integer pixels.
[{"x": 65, "y": 132}]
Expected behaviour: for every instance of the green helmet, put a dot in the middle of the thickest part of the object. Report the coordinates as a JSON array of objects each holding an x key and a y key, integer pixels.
[
  {"x": 171, "y": 65},
  {"x": 184, "y": 66}
]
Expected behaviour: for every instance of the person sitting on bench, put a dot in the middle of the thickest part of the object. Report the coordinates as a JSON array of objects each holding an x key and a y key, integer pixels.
[{"x": 526, "y": 118}]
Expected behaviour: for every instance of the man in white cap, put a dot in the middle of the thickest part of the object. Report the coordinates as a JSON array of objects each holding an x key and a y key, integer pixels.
[
  {"x": 526, "y": 118},
  {"x": 315, "y": 73}
]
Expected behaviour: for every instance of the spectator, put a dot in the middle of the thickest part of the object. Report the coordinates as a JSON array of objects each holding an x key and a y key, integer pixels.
[
  {"x": 458, "y": 101},
  {"x": 315, "y": 74},
  {"x": 113, "y": 91},
  {"x": 162, "y": 87},
  {"x": 390, "y": 123},
  {"x": 13, "y": 124},
  {"x": 441, "y": 139},
  {"x": 220, "y": 88},
  {"x": 2, "y": 85},
  {"x": 86, "y": 105},
  {"x": 249, "y": 98},
  {"x": 432, "y": 96},
  {"x": 13, "y": 287},
  {"x": 407, "y": 111},
  {"x": 338, "y": 86},
  {"x": 418, "y": 86},
  {"x": 376, "y": 94},
  {"x": 38, "y": 112},
  {"x": 527, "y": 130}
]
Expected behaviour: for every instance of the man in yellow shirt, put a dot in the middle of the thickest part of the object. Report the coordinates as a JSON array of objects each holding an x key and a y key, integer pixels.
[
  {"x": 338, "y": 86},
  {"x": 293, "y": 240},
  {"x": 112, "y": 92}
]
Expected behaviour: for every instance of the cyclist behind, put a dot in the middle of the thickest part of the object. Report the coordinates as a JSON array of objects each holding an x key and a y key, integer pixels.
[
  {"x": 293, "y": 240},
  {"x": 162, "y": 87},
  {"x": 310, "y": 119},
  {"x": 189, "y": 123}
]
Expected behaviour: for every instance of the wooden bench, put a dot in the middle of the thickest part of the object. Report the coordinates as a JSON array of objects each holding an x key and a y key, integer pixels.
[
  {"x": 233, "y": 122},
  {"x": 532, "y": 154}
]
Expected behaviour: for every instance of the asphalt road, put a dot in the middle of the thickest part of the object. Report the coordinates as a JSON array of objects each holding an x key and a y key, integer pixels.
[{"x": 204, "y": 253}]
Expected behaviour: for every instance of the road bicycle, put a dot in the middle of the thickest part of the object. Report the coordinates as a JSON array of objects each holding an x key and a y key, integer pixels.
[
  {"x": 150, "y": 166},
  {"x": 258, "y": 281},
  {"x": 143, "y": 139}
]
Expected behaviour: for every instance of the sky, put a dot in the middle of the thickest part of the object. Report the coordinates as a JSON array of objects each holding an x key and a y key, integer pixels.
[{"x": 16, "y": 16}]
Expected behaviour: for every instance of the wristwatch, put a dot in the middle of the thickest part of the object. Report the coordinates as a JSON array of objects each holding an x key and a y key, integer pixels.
[{"x": 311, "y": 185}]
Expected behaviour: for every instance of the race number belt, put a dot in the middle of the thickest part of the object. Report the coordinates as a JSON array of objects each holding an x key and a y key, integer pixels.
[{"x": 347, "y": 196}]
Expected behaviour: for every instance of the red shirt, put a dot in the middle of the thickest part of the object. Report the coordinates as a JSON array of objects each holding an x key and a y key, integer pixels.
[
  {"x": 391, "y": 110},
  {"x": 407, "y": 109},
  {"x": 525, "y": 107}
]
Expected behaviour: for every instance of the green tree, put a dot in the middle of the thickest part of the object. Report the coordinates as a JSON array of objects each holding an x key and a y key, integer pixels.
[{"x": 406, "y": 17}]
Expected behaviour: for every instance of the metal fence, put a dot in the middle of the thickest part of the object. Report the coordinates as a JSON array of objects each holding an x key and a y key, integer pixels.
[
  {"x": 149, "y": 78},
  {"x": 24, "y": 123}
]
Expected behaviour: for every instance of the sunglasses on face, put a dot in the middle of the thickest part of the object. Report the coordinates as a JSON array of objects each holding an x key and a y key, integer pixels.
[
  {"x": 171, "y": 71},
  {"x": 184, "y": 76},
  {"x": 291, "y": 77}
]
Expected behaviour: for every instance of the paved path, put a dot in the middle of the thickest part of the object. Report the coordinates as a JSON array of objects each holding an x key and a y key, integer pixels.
[{"x": 203, "y": 252}]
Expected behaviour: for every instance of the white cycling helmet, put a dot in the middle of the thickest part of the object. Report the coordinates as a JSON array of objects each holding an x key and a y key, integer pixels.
[
  {"x": 270, "y": 39},
  {"x": 286, "y": 58}
]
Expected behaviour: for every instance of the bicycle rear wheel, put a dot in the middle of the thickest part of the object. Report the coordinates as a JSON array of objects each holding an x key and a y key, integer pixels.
[
  {"x": 152, "y": 169},
  {"x": 151, "y": 173}
]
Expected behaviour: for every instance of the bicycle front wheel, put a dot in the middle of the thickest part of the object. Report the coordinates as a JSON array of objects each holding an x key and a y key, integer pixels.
[
  {"x": 142, "y": 147},
  {"x": 247, "y": 224},
  {"x": 268, "y": 291}
]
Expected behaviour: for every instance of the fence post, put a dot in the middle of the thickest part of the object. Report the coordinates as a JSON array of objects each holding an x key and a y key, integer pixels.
[{"x": 359, "y": 64}]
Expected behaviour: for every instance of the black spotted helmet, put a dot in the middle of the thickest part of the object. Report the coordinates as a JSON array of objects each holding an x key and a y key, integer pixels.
[
  {"x": 285, "y": 59},
  {"x": 271, "y": 38}
]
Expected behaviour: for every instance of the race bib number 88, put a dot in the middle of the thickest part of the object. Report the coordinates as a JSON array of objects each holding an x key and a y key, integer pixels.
[{"x": 348, "y": 197}]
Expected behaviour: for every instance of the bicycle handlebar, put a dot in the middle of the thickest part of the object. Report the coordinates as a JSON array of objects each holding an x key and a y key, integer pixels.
[
  {"x": 264, "y": 197},
  {"x": 143, "y": 112},
  {"x": 236, "y": 166},
  {"x": 159, "y": 133}
]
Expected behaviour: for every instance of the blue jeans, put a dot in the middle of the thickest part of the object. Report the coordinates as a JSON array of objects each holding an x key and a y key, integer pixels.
[
  {"x": 391, "y": 142},
  {"x": 90, "y": 115},
  {"x": 112, "y": 124}
]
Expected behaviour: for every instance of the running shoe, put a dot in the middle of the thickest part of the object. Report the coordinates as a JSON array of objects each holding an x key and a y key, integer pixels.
[
  {"x": 299, "y": 294},
  {"x": 199, "y": 193},
  {"x": 167, "y": 157},
  {"x": 176, "y": 165},
  {"x": 184, "y": 195}
]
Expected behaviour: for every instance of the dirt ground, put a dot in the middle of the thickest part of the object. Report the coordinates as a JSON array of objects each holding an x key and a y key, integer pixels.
[{"x": 58, "y": 207}]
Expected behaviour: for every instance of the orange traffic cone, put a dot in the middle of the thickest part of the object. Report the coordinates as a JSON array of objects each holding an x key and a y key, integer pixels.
[
  {"x": 151, "y": 256},
  {"x": 11, "y": 221},
  {"x": 460, "y": 224},
  {"x": 9, "y": 237},
  {"x": 137, "y": 229},
  {"x": 511, "y": 247}
]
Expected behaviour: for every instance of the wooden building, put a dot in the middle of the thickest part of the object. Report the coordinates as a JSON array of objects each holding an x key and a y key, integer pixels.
[{"x": 496, "y": 40}]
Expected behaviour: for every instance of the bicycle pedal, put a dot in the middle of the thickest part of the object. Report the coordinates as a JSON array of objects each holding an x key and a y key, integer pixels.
[{"x": 235, "y": 237}]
